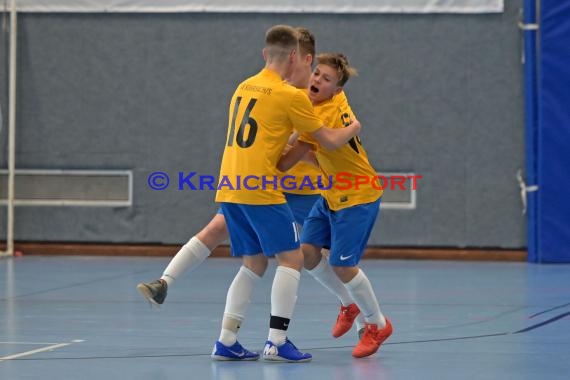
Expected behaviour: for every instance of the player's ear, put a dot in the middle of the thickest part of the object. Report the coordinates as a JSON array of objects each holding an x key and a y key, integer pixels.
[
  {"x": 293, "y": 55},
  {"x": 264, "y": 53}
]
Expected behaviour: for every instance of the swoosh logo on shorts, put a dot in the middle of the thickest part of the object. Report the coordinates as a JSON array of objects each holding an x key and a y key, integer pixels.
[{"x": 343, "y": 258}]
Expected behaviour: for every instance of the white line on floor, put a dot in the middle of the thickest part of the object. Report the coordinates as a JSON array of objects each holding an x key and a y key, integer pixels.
[{"x": 38, "y": 350}]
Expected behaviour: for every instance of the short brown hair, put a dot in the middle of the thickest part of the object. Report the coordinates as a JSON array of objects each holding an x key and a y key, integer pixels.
[
  {"x": 307, "y": 43},
  {"x": 339, "y": 62},
  {"x": 281, "y": 39}
]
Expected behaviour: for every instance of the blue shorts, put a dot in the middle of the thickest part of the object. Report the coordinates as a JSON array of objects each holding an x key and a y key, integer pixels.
[
  {"x": 345, "y": 231},
  {"x": 301, "y": 205},
  {"x": 267, "y": 229}
]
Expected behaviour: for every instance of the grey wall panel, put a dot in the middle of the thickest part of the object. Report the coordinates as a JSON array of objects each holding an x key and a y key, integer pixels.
[{"x": 438, "y": 95}]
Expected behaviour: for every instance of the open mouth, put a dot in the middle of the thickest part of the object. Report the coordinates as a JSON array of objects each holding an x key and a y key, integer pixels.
[{"x": 314, "y": 89}]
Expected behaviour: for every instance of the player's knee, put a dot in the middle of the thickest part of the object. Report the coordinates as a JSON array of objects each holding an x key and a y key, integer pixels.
[
  {"x": 311, "y": 256},
  {"x": 345, "y": 273},
  {"x": 310, "y": 250},
  {"x": 218, "y": 225},
  {"x": 257, "y": 264},
  {"x": 215, "y": 233},
  {"x": 292, "y": 259},
  {"x": 219, "y": 230}
]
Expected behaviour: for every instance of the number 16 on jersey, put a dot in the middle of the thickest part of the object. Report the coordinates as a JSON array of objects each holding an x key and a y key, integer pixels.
[{"x": 245, "y": 120}]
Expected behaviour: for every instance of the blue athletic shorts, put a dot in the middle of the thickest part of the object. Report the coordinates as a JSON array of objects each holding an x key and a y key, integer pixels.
[
  {"x": 301, "y": 205},
  {"x": 346, "y": 231},
  {"x": 267, "y": 229}
]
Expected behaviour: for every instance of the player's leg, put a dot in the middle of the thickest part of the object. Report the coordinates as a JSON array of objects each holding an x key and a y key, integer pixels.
[
  {"x": 283, "y": 300},
  {"x": 215, "y": 232},
  {"x": 198, "y": 248},
  {"x": 245, "y": 245},
  {"x": 349, "y": 313},
  {"x": 351, "y": 229},
  {"x": 377, "y": 327},
  {"x": 315, "y": 235},
  {"x": 280, "y": 238},
  {"x": 190, "y": 256}
]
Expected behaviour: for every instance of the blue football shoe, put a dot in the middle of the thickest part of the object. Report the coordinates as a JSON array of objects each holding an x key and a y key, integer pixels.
[
  {"x": 287, "y": 352},
  {"x": 234, "y": 352}
]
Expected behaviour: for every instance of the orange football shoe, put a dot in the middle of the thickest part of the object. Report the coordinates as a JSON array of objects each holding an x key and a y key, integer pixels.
[
  {"x": 372, "y": 339},
  {"x": 345, "y": 319}
]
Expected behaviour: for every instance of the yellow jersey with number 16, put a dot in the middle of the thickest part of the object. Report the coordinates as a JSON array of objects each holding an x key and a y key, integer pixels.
[{"x": 263, "y": 112}]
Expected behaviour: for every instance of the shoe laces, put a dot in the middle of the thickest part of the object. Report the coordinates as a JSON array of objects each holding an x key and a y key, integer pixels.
[
  {"x": 346, "y": 310},
  {"x": 370, "y": 332}
]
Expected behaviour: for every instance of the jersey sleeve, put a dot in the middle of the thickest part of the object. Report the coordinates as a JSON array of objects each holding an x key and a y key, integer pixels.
[
  {"x": 341, "y": 101},
  {"x": 302, "y": 115}
]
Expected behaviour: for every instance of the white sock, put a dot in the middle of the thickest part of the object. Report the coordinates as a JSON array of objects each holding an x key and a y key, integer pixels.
[
  {"x": 324, "y": 274},
  {"x": 228, "y": 337},
  {"x": 187, "y": 258},
  {"x": 237, "y": 301},
  {"x": 359, "y": 322},
  {"x": 283, "y": 299},
  {"x": 361, "y": 291},
  {"x": 239, "y": 292}
]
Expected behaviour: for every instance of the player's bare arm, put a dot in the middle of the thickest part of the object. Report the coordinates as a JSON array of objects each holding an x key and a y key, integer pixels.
[{"x": 333, "y": 139}]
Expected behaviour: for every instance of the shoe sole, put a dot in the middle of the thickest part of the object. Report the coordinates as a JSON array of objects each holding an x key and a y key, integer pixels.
[
  {"x": 364, "y": 355},
  {"x": 146, "y": 293},
  {"x": 220, "y": 358},
  {"x": 278, "y": 359},
  {"x": 373, "y": 352},
  {"x": 341, "y": 334}
]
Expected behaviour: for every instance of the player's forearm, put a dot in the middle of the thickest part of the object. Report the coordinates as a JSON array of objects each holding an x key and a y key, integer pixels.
[
  {"x": 335, "y": 138},
  {"x": 311, "y": 158},
  {"x": 293, "y": 155}
]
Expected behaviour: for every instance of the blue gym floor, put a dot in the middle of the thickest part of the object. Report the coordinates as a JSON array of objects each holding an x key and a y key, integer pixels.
[{"x": 77, "y": 317}]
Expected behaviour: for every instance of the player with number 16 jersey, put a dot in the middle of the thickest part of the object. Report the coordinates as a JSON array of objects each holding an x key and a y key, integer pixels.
[{"x": 263, "y": 112}]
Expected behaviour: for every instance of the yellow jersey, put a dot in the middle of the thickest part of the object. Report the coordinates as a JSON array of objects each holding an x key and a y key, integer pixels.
[
  {"x": 303, "y": 170},
  {"x": 263, "y": 112},
  {"x": 347, "y": 166}
]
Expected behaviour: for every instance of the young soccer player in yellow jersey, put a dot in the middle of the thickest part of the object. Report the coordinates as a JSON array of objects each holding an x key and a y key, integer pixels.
[
  {"x": 344, "y": 216},
  {"x": 263, "y": 111},
  {"x": 300, "y": 200},
  {"x": 303, "y": 196}
]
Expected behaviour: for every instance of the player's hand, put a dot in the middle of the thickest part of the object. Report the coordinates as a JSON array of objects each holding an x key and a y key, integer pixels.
[
  {"x": 356, "y": 124},
  {"x": 286, "y": 149}
]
